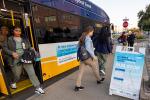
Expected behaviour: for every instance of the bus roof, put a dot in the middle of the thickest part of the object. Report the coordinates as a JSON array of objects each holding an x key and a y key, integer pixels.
[{"x": 83, "y": 8}]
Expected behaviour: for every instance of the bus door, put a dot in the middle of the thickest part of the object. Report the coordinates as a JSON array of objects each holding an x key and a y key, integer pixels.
[
  {"x": 4, "y": 89},
  {"x": 10, "y": 19}
]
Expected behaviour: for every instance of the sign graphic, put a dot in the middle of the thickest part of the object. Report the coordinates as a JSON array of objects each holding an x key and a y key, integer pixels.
[{"x": 127, "y": 73}]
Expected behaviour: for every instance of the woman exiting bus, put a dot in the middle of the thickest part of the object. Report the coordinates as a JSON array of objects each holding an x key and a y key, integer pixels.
[
  {"x": 87, "y": 57},
  {"x": 14, "y": 47}
]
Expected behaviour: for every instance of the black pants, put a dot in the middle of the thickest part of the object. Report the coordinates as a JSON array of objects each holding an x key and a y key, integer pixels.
[{"x": 131, "y": 43}]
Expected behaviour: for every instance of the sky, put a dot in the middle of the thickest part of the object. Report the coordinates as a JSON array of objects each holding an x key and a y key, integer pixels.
[{"x": 117, "y": 10}]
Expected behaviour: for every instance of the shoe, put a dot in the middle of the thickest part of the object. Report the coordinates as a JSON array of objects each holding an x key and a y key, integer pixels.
[
  {"x": 99, "y": 82},
  {"x": 79, "y": 88},
  {"x": 102, "y": 79},
  {"x": 14, "y": 86},
  {"x": 103, "y": 72},
  {"x": 39, "y": 91}
]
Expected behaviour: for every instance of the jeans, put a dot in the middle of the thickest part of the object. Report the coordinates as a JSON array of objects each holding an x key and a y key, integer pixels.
[
  {"x": 17, "y": 70},
  {"x": 102, "y": 59}
]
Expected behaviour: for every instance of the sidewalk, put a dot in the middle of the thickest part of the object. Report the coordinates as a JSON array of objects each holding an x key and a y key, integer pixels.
[
  {"x": 145, "y": 90},
  {"x": 63, "y": 89}
]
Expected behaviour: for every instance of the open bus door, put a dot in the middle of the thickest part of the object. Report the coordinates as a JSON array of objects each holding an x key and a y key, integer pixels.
[
  {"x": 3, "y": 82},
  {"x": 9, "y": 19}
]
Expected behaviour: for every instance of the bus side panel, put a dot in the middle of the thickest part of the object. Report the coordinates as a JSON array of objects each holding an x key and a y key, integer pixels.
[
  {"x": 51, "y": 69},
  {"x": 57, "y": 58},
  {"x": 3, "y": 88}
]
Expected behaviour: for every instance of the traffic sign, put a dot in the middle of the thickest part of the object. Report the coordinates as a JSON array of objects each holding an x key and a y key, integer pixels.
[
  {"x": 125, "y": 19},
  {"x": 125, "y": 24}
]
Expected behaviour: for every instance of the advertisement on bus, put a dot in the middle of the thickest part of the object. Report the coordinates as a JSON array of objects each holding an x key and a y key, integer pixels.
[
  {"x": 57, "y": 58},
  {"x": 66, "y": 52}
]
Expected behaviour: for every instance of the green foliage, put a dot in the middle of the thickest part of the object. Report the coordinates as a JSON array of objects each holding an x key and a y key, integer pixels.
[
  {"x": 116, "y": 36},
  {"x": 140, "y": 37},
  {"x": 144, "y": 19}
]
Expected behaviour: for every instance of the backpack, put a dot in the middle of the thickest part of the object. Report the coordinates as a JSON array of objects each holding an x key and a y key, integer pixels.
[{"x": 82, "y": 53}]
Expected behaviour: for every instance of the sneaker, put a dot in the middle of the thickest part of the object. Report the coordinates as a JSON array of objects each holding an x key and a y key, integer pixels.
[
  {"x": 103, "y": 72},
  {"x": 102, "y": 79},
  {"x": 39, "y": 91},
  {"x": 14, "y": 86},
  {"x": 79, "y": 88},
  {"x": 99, "y": 82}
]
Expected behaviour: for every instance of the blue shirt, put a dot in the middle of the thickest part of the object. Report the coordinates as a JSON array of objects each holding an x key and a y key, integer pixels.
[{"x": 89, "y": 46}]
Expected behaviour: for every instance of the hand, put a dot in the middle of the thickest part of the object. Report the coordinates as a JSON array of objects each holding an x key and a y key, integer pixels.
[
  {"x": 15, "y": 55},
  {"x": 95, "y": 58}
]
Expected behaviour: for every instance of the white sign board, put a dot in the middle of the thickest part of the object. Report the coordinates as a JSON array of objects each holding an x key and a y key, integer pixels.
[{"x": 127, "y": 73}]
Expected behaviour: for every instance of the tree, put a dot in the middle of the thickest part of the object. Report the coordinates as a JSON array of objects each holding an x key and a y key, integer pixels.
[
  {"x": 140, "y": 14},
  {"x": 144, "y": 19}
]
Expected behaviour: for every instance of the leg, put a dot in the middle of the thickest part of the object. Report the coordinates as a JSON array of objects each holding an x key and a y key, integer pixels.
[
  {"x": 32, "y": 76},
  {"x": 128, "y": 44},
  {"x": 94, "y": 66},
  {"x": 132, "y": 44},
  {"x": 99, "y": 60},
  {"x": 103, "y": 58},
  {"x": 105, "y": 61},
  {"x": 80, "y": 74},
  {"x": 16, "y": 70}
]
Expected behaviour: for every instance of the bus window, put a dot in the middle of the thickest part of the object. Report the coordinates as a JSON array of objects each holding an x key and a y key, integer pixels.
[
  {"x": 10, "y": 5},
  {"x": 55, "y": 26}
]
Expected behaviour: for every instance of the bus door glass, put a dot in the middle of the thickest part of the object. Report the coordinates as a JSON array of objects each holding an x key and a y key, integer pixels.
[{"x": 3, "y": 85}]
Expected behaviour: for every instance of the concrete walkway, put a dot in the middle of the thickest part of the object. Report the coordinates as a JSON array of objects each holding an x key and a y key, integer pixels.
[{"x": 63, "y": 89}]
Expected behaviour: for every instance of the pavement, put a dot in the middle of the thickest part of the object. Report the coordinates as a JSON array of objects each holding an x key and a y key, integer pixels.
[
  {"x": 145, "y": 90},
  {"x": 64, "y": 88}
]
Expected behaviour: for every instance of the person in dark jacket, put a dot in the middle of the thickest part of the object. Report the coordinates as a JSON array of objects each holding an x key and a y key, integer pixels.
[
  {"x": 131, "y": 38},
  {"x": 14, "y": 48},
  {"x": 102, "y": 49},
  {"x": 123, "y": 39}
]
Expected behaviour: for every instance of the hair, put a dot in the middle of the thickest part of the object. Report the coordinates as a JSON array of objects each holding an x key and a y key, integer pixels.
[
  {"x": 15, "y": 27},
  {"x": 104, "y": 34},
  {"x": 123, "y": 33},
  {"x": 86, "y": 31},
  {"x": 3, "y": 27}
]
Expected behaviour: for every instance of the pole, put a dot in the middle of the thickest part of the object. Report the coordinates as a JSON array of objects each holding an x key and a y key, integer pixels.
[{"x": 4, "y": 4}]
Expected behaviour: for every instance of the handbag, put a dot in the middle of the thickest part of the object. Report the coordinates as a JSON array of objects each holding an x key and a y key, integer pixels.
[
  {"x": 28, "y": 56},
  {"x": 83, "y": 54}
]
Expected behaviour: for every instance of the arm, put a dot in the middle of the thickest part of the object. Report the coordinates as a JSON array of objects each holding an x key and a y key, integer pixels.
[
  {"x": 88, "y": 46},
  {"x": 6, "y": 49}
]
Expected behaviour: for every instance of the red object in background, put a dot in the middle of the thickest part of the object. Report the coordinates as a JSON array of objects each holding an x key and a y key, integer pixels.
[{"x": 125, "y": 24}]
